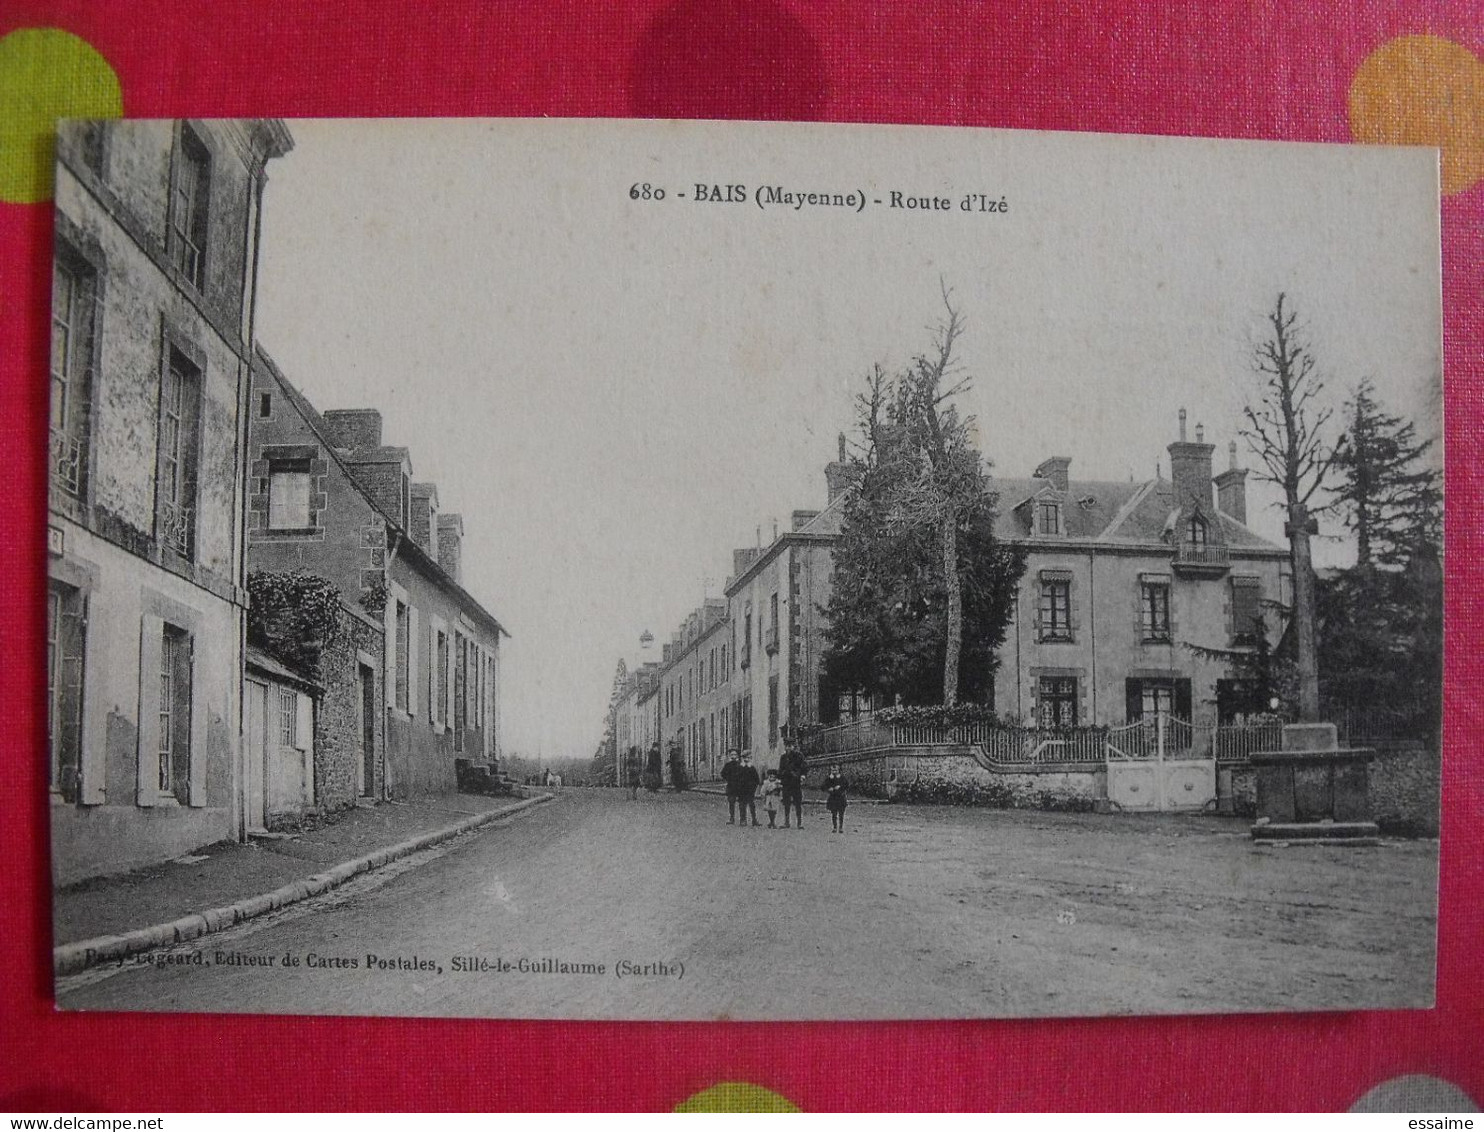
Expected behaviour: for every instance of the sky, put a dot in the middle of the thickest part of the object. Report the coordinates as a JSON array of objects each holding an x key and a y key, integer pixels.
[{"x": 615, "y": 393}]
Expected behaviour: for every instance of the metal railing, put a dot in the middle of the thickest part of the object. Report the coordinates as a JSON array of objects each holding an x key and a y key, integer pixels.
[
  {"x": 1189, "y": 554},
  {"x": 173, "y": 527},
  {"x": 66, "y": 462},
  {"x": 1157, "y": 737}
]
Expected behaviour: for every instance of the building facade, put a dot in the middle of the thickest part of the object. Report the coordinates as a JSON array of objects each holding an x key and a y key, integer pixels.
[
  {"x": 153, "y": 294},
  {"x": 696, "y": 697},
  {"x": 411, "y": 682},
  {"x": 1137, "y": 598}
]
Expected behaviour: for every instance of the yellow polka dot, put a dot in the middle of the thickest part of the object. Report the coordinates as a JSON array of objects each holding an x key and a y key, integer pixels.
[
  {"x": 1424, "y": 90},
  {"x": 46, "y": 74},
  {"x": 736, "y": 1096}
]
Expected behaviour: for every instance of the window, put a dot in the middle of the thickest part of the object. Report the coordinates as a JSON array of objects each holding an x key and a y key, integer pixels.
[
  {"x": 772, "y": 711},
  {"x": 189, "y": 198},
  {"x": 770, "y": 640},
  {"x": 74, "y": 293},
  {"x": 1195, "y": 532},
  {"x": 1048, "y": 518},
  {"x": 289, "y": 489},
  {"x": 175, "y": 713},
  {"x": 746, "y": 721},
  {"x": 460, "y": 690},
  {"x": 1154, "y": 611},
  {"x": 1058, "y": 701},
  {"x": 90, "y": 144},
  {"x": 1056, "y": 609},
  {"x": 404, "y": 653},
  {"x": 1247, "y": 623},
  {"x": 746, "y": 657},
  {"x": 440, "y": 678},
  {"x": 65, "y": 629},
  {"x": 288, "y": 717},
  {"x": 1150, "y": 698},
  {"x": 175, "y": 487},
  {"x": 265, "y": 405}
]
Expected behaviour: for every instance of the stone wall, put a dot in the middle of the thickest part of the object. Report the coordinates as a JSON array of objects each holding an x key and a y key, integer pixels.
[
  {"x": 1403, "y": 782},
  {"x": 959, "y": 779},
  {"x": 337, "y": 739}
]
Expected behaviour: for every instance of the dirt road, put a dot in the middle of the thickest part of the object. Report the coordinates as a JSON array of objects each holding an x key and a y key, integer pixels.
[{"x": 914, "y": 912}]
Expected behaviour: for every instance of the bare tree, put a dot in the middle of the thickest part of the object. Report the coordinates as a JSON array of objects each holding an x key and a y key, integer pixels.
[
  {"x": 1286, "y": 431},
  {"x": 948, "y": 484}
]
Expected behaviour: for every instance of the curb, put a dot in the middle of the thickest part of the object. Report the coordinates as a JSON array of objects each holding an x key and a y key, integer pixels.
[{"x": 71, "y": 958}]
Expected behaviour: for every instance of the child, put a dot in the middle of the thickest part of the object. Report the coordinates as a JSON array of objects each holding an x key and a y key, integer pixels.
[
  {"x": 834, "y": 786},
  {"x": 772, "y": 787}
]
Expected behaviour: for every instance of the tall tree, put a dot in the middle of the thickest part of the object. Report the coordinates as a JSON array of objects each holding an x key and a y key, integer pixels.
[
  {"x": 1286, "y": 430},
  {"x": 923, "y": 590},
  {"x": 1391, "y": 499}
]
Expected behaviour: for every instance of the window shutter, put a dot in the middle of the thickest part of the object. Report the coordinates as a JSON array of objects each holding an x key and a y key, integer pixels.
[
  {"x": 91, "y": 757},
  {"x": 389, "y": 667},
  {"x": 1133, "y": 700},
  {"x": 448, "y": 680},
  {"x": 304, "y": 723},
  {"x": 412, "y": 639},
  {"x": 1182, "y": 699},
  {"x": 151, "y": 641},
  {"x": 196, "y": 767}
]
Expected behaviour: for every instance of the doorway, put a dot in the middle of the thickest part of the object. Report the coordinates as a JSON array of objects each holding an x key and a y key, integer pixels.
[{"x": 367, "y": 681}]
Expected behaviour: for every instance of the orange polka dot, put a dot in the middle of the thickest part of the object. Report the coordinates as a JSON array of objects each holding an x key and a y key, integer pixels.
[{"x": 1424, "y": 90}]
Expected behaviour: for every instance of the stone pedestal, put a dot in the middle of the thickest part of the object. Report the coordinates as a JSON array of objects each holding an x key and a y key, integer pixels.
[{"x": 1314, "y": 791}]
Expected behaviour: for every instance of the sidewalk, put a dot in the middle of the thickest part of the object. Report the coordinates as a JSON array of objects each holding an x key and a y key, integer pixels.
[{"x": 242, "y": 875}]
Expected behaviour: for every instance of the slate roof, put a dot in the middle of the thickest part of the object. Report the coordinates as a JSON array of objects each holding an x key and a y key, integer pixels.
[{"x": 1120, "y": 512}]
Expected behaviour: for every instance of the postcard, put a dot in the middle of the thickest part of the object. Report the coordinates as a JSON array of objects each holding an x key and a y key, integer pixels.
[{"x": 698, "y": 570}]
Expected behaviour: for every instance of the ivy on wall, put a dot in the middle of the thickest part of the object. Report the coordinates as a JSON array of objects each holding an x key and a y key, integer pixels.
[{"x": 292, "y": 616}]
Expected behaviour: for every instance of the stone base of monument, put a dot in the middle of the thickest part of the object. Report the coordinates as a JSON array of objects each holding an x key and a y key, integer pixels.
[{"x": 1313, "y": 791}]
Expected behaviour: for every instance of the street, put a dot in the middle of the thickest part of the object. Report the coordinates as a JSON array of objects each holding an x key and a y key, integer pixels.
[{"x": 598, "y": 907}]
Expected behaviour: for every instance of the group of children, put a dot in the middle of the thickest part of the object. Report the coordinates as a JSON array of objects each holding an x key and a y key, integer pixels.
[{"x": 834, "y": 787}]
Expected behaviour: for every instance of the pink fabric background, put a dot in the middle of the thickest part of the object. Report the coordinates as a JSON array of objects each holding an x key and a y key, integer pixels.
[{"x": 1279, "y": 70}]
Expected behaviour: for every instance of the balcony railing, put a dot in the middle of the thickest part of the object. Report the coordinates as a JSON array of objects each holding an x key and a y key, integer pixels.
[
  {"x": 66, "y": 462},
  {"x": 1193, "y": 556},
  {"x": 174, "y": 527}
]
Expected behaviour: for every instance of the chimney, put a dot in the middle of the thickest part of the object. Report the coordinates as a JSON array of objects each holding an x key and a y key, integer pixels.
[
  {"x": 451, "y": 545},
  {"x": 1054, "y": 468},
  {"x": 742, "y": 559},
  {"x": 802, "y": 519},
  {"x": 839, "y": 476},
  {"x": 775, "y": 530},
  {"x": 1231, "y": 487},
  {"x": 423, "y": 525},
  {"x": 1190, "y": 468},
  {"x": 353, "y": 428}
]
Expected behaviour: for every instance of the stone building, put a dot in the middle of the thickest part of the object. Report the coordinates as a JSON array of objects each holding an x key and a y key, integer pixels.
[
  {"x": 411, "y": 684},
  {"x": 1136, "y": 596},
  {"x": 153, "y": 295},
  {"x": 695, "y": 696},
  {"x": 776, "y": 626}
]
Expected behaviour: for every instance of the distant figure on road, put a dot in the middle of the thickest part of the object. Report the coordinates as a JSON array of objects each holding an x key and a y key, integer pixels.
[
  {"x": 791, "y": 774},
  {"x": 729, "y": 771},
  {"x": 834, "y": 786},
  {"x": 632, "y": 770},
  {"x": 771, "y": 789},
  {"x": 747, "y": 783}
]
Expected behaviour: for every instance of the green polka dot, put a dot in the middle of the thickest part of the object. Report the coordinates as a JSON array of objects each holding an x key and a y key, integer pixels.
[
  {"x": 46, "y": 74},
  {"x": 736, "y": 1096}
]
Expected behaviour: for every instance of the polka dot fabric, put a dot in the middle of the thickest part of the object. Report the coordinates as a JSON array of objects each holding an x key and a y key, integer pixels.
[{"x": 1363, "y": 71}]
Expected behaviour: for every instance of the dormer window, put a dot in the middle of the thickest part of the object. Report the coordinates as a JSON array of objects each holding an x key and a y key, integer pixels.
[
  {"x": 1195, "y": 533},
  {"x": 1048, "y": 518}
]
